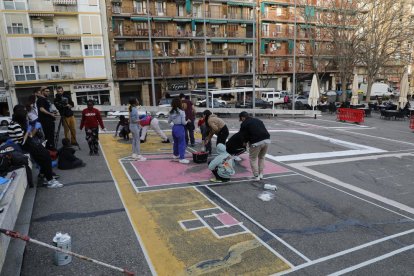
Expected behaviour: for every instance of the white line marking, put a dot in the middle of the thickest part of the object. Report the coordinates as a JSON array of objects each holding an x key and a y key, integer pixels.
[
  {"x": 374, "y": 260},
  {"x": 261, "y": 226},
  {"x": 140, "y": 175},
  {"x": 380, "y": 138},
  {"x": 141, "y": 243},
  {"x": 350, "y": 250},
  {"x": 128, "y": 176},
  {"x": 382, "y": 199},
  {"x": 254, "y": 235},
  {"x": 360, "y": 158}
]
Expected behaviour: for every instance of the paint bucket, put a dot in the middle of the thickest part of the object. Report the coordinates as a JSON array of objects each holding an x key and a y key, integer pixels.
[{"x": 62, "y": 241}]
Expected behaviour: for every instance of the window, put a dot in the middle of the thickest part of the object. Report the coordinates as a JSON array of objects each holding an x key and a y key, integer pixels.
[
  {"x": 54, "y": 68},
  {"x": 140, "y": 7},
  {"x": 93, "y": 2},
  {"x": 278, "y": 28},
  {"x": 99, "y": 97},
  {"x": 142, "y": 45},
  {"x": 14, "y": 4},
  {"x": 234, "y": 65},
  {"x": 161, "y": 8},
  {"x": 90, "y": 24},
  {"x": 290, "y": 63},
  {"x": 278, "y": 11},
  {"x": 265, "y": 29},
  {"x": 65, "y": 50},
  {"x": 93, "y": 49},
  {"x": 24, "y": 72},
  {"x": 302, "y": 48},
  {"x": 265, "y": 65},
  {"x": 92, "y": 46},
  {"x": 277, "y": 63}
]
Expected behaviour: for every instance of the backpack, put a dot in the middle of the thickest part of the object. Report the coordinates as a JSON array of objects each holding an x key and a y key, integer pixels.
[{"x": 225, "y": 169}]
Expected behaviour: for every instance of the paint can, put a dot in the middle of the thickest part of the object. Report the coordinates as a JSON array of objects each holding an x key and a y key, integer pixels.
[
  {"x": 270, "y": 187},
  {"x": 62, "y": 241}
]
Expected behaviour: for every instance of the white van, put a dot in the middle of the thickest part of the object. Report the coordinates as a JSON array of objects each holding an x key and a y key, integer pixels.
[
  {"x": 378, "y": 89},
  {"x": 273, "y": 97}
]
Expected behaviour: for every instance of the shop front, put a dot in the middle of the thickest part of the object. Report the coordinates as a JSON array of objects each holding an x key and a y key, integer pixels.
[
  {"x": 6, "y": 105},
  {"x": 100, "y": 93}
]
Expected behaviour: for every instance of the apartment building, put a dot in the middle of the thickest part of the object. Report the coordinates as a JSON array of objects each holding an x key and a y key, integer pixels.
[
  {"x": 313, "y": 44},
  {"x": 6, "y": 103},
  {"x": 178, "y": 45},
  {"x": 57, "y": 43}
]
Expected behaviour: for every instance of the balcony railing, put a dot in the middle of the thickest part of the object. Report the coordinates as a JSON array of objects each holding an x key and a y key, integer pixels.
[
  {"x": 70, "y": 53},
  {"x": 17, "y": 30},
  {"x": 44, "y": 30},
  {"x": 61, "y": 76},
  {"x": 131, "y": 54},
  {"x": 47, "y": 53}
]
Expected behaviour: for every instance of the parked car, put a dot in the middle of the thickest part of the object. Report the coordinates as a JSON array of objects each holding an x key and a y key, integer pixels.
[
  {"x": 202, "y": 103},
  {"x": 117, "y": 114},
  {"x": 216, "y": 103},
  {"x": 165, "y": 102},
  {"x": 302, "y": 99},
  {"x": 259, "y": 103},
  {"x": 4, "y": 121}
]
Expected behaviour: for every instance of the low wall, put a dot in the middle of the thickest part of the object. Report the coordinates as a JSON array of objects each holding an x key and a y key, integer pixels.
[{"x": 11, "y": 202}]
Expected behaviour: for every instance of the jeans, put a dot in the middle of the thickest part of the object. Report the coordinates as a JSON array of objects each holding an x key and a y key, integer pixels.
[
  {"x": 189, "y": 132},
  {"x": 178, "y": 133},
  {"x": 136, "y": 143}
]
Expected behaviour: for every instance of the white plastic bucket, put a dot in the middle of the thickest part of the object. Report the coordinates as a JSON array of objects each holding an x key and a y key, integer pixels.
[{"x": 62, "y": 241}]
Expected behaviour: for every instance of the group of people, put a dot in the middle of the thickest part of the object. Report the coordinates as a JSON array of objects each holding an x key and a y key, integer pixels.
[{"x": 32, "y": 130}]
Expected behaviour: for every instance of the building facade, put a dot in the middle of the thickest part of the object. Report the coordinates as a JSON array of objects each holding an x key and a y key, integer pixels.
[
  {"x": 57, "y": 43},
  {"x": 179, "y": 45}
]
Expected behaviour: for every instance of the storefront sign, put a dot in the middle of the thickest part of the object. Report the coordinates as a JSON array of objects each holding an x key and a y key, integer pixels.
[
  {"x": 90, "y": 87},
  {"x": 204, "y": 80},
  {"x": 178, "y": 86}
]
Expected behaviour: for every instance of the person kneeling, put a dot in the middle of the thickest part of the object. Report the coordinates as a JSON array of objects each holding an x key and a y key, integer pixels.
[
  {"x": 222, "y": 166},
  {"x": 67, "y": 158}
]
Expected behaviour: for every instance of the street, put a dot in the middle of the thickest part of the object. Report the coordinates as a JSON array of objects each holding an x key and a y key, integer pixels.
[{"x": 344, "y": 204}]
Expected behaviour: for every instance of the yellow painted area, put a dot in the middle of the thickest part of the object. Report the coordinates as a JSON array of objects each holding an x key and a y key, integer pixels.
[{"x": 172, "y": 250}]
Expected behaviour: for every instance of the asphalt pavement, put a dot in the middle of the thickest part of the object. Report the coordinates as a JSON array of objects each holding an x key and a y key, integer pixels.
[{"x": 345, "y": 206}]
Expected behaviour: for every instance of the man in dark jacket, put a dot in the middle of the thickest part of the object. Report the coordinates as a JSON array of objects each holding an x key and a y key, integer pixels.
[
  {"x": 67, "y": 159},
  {"x": 255, "y": 133}
]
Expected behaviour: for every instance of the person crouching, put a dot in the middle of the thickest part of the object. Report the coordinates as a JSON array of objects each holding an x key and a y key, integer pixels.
[
  {"x": 222, "y": 166},
  {"x": 67, "y": 159}
]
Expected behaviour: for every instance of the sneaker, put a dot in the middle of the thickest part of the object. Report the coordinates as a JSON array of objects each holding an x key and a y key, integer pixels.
[
  {"x": 237, "y": 159},
  {"x": 141, "y": 158},
  {"x": 176, "y": 158},
  {"x": 184, "y": 161},
  {"x": 134, "y": 156},
  {"x": 215, "y": 180},
  {"x": 257, "y": 178},
  {"x": 52, "y": 184},
  {"x": 166, "y": 141},
  {"x": 55, "y": 176},
  {"x": 260, "y": 175},
  {"x": 142, "y": 141}
]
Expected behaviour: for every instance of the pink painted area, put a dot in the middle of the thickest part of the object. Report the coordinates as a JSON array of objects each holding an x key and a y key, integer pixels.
[
  {"x": 166, "y": 172},
  {"x": 165, "y": 156},
  {"x": 227, "y": 219}
]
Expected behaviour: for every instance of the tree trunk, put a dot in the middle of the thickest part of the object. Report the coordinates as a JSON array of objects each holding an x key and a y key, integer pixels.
[
  {"x": 343, "y": 89},
  {"x": 369, "y": 86}
]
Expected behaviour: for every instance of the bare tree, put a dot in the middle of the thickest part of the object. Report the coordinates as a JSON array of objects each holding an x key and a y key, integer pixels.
[{"x": 384, "y": 36}]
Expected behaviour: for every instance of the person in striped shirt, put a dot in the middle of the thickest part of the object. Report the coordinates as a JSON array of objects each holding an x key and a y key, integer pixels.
[{"x": 17, "y": 130}]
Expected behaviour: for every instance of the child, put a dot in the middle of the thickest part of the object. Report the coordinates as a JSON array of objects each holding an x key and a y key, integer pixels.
[
  {"x": 222, "y": 165},
  {"x": 146, "y": 121},
  {"x": 177, "y": 118},
  {"x": 204, "y": 131},
  {"x": 67, "y": 158},
  {"x": 124, "y": 125}
]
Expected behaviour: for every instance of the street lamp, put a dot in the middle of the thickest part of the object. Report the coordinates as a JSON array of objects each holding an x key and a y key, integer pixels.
[
  {"x": 151, "y": 54},
  {"x": 294, "y": 61}
]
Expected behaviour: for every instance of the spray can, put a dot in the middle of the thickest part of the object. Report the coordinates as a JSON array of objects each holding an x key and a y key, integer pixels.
[{"x": 62, "y": 241}]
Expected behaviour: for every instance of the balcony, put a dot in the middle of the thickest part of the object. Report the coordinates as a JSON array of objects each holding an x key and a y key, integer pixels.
[
  {"x": 126, "y": 55},
  {"x": 70, "y": 53},
  {"x": 61, "y": 76},
  {"x": 50, "y": 7},
  {"x": 43, "y": 30},
  {"x": 47, "y": 53},
  {"x": 65, "y": 2}
]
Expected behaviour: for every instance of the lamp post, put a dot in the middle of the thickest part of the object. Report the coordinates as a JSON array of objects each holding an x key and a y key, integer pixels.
[
  {"x": 254, "y": 57},
  {"x": 151, "y": 54},
  {"x": 205, "y": 53},
  {"x": 294, "y": 61}
]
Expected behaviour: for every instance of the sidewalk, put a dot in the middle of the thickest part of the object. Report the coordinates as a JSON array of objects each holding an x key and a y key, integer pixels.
[{"x": 89, "y": 209}]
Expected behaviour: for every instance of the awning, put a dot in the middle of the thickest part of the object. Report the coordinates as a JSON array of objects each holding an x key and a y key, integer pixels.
[
  {"x": 235, "y": 40},
  {"x": 162, "y": 18},
  {"x": 69, "y": 2},
  {"x": 233, "y": 3},
  {"x": 248, "y": 41},
  {"x": 69, "y": 38},
  {"x": 216, "y": 21},
  {"x": 201, "y": 20},
  {"x": 38, "y": 14},
  {"x": 182, "y": 19},
  {"x": 140, "y": 19},
  {"x": 218, "y": 40}
]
